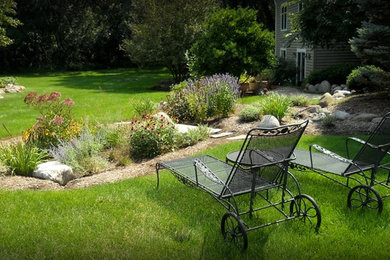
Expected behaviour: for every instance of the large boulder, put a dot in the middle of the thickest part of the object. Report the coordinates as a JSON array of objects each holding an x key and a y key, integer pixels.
[
  {"x": 163, "y": 116},
  {"x": 11, "y": 88},
  {"x": 365, "y": 117},
  {"x": 269, "y": 121},
  {"x": 326, "y": 100},
  {"x": 324, "y": 87},
  {"x": 312, "y": 88},
  {"x": 341, "y": 115},
  {"x": 54, "y": 171}
]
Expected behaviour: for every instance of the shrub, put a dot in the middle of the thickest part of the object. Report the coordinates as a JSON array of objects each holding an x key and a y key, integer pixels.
[
  {"x": 368, "y": 78},
  {"x": 82, "y": 153},
  {"x": 276, "y": 105},
  {"x": 335, "y": 74},
  {"x": 143, "y": 107},
  {"x": 55, "y": 122},
  {"x": 329, "y": 121},
  {"x": 283, "y": 72},
  {"x": 193, "y": 136},
  {"x": 233, "y": 42},
  {"x": 151, "y": 137},
  {"x": 299, "y": 101},
  {"x": 4, "y": 81},
  {"x": 250, "y": 113},
  {"x": 213, "y": 96},
  {"x": 21, "y": 159}
]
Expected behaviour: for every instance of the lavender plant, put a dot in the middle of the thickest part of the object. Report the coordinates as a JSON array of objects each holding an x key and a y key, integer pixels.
[{"x": 213, "y": 96}]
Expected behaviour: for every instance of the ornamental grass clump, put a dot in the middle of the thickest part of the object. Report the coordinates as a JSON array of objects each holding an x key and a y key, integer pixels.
[
  {"x": 276, "y": 105},
  {"x": 55, "y": 123},
  {"x": 20, "y": 158},
  {"x": 200, "y": 100},
  {"x": 250, "y": 113}
]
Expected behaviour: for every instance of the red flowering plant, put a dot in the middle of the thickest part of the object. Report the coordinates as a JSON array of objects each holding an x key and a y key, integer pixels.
[
  {"x": 151, "y": 136},
  {"x": 55, "y": 122}
]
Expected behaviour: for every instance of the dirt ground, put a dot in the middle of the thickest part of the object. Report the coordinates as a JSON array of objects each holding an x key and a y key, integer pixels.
[{"x": 370, "y": 103}]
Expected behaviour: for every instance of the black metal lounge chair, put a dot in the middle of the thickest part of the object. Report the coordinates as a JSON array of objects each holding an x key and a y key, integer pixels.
[
  {"x": 368, "y": 158},
  {"x": 265, "y": 154}
]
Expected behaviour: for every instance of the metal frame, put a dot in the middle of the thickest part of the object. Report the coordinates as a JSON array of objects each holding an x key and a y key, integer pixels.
[
  {"x": 228, "y": 198},
  {"x": 366, "y": 182}
]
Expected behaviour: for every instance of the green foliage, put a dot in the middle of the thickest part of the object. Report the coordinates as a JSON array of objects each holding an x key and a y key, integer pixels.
[
  {"x": 143, "y": 107},
  {"x": 284, "y": 71},
  {"x": 326, "y": 22},
  {"x": 202, "y": 99},
  {"x": 192, "y": 137},
  {"x": 4, "y": 81},
  {"x": 368, "y": 78},
  {"x": 329, "y": 121},
  {"x": 250, "y": 113},
  {"x": 55, "y": 123},
  {"x": 82, "y": 153},
  {"x": 300, "y": 101},
  {"x": 162, "y": 31},
  {"x": 372, "y": 44},
  {"x": 233, "y": 42},
  {"x": 151, "y": 137},
  {"x": 335, "y": 74},
  {"x": 276, "y": 105},
  {"x": 7, "y": 10},
  {"x": 21, "y": 159}
]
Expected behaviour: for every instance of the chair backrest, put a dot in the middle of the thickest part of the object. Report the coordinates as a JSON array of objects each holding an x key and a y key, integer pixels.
[
  {"x": 264, "y": 146},
  {"x": 368, "y": 154}
]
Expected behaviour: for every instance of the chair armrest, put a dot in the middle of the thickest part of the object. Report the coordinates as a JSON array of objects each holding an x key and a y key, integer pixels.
[
  {"x": 328, "y": 153},
  {"x": 364, "y": 142},
  {"x": 206, "y": 172}
]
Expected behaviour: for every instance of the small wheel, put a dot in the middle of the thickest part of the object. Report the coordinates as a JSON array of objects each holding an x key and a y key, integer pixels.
[
  {"x": 304, "y": 207},
  {"x": 233, "y": 230},
  {"x": 365, "y": 196}
]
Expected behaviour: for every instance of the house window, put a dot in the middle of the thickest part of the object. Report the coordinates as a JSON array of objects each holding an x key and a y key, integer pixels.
[
  {"x": 283, "y": 53},
  {"x": 284, "y": 18}
]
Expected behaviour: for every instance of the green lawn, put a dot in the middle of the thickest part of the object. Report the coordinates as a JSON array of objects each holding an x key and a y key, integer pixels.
[
  {"x": 102, "y": 95},
  {"x": 131, "y": 219}
]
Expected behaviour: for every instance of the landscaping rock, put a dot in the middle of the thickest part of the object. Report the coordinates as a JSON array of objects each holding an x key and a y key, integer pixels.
[
  {"x": 326, "y": 100},
  {"x": 317, "y": 116},
  {"x": 163, "y": 115},
  {"x": 269, "y": 122},
  {"x": 54, "y": 171},
  {"x": 344, "y": 92},
  {"x": 366, "y": 117},
  {"x": 338, "y": 95},
  {"x": 312, "y": 88},
  {"x": 221, "y": 135},
  {"x": 11, "y": 88},
  {"x": 341, "y": 115},
  {"x": 324, "y": 87},
  {"x": 314, "y": 109},
  {"x": 344, "y": 87},
  {"x": 336, "y": 88}
]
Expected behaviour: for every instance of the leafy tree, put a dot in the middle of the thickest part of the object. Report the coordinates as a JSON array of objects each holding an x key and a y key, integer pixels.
[
  {"x": 162, "y": 31},
  {"x": 372, "y": 43},
  {"x": 233, "y": 42},
  {"x": 326, "y": 22},
  {"x": 7, "y": 9}
]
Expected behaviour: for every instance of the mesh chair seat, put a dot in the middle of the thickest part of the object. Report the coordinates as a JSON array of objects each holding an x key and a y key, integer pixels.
[{"x": 326, "y": 163}]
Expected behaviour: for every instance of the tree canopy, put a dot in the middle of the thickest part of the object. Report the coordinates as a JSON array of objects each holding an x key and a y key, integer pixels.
[{"x": 7, "y": 10}]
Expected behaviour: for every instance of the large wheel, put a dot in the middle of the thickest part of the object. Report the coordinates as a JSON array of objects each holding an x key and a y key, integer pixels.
[
  {"x": 306, "y": 209},
  {"x": 362, "y": 196},
  {"x": 233, "y": 230}
]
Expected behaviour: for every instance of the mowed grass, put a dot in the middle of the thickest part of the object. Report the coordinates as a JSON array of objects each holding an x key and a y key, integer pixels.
[
  {"x": 103, "y": 95},
  {"x": 131, "y": 219}
]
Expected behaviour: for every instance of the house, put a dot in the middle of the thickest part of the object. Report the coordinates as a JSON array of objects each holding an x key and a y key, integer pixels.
[{"x": 306, "y": 59}]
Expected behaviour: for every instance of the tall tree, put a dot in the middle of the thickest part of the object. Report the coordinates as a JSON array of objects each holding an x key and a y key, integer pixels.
[
  {"x": 7, "y": 10},
  {"x": 163, "y": 30},
  {"x": 372, "y": 43}
]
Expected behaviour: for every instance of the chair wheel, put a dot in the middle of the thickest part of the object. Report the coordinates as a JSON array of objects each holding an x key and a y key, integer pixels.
[
  {"x": 233, "y": 230},
  {"x": 362, "y": 196},
  {"x": 306, "y": 209}
]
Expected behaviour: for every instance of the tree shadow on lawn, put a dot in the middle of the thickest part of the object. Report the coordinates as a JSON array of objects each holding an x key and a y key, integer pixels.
[{"x": 116, "y": 81}]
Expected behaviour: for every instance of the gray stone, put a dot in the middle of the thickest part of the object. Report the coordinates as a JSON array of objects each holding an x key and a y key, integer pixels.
[
  {"x": 269, "y": 121},
  {"x": 318, "y": 116},
  {"x": 324, "y": 87},
  {"x": 325, "y": 110},
  {"x": 344, "y": 87},
  {"x": 238, "y": 137},
  {"x": 366, "y": 117},
  {"x": 336, "y": 88},
  {"x": 338, "y": 95},
  {"x": 312, "y": 88},
  {"x": 326, "y": 100},
  {"x": 314, "y": 109},
  {"x": 344, "y": 92},
  {"x": 54, "y": 171},
  {"x": 340, "y": 115},
  {"x": 163, "y": 116},
  {"x": 221, "y": 135}
]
